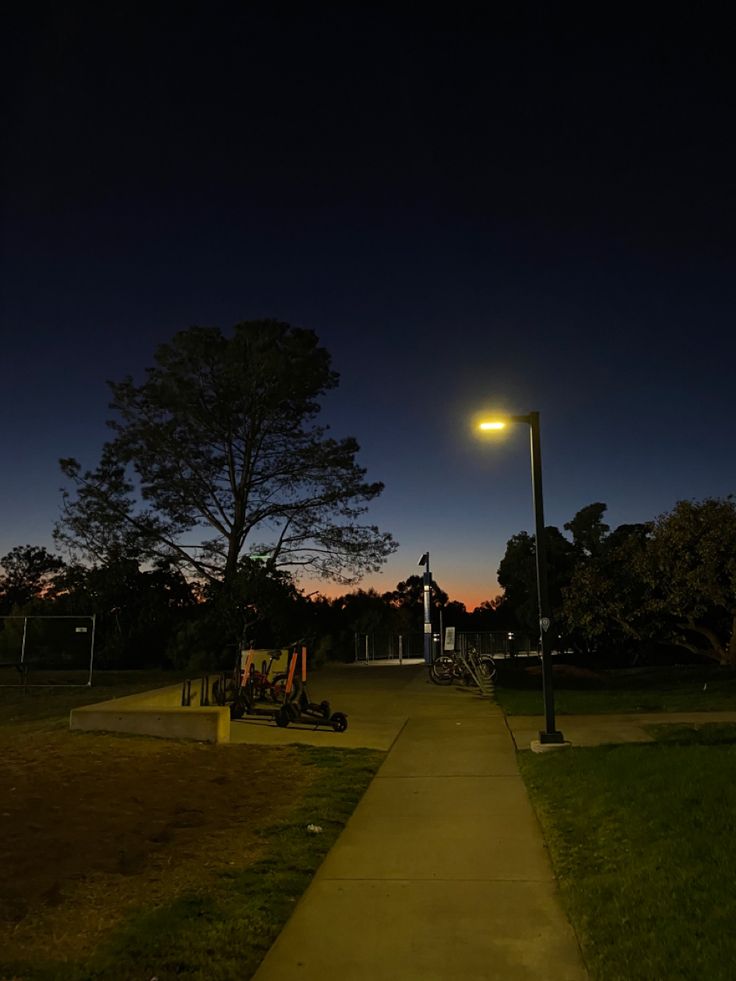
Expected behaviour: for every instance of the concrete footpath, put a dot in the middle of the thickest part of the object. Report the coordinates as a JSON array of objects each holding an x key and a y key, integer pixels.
[
  {"x": 441, "y": 872},
  {"x": 597, "y": 730}
]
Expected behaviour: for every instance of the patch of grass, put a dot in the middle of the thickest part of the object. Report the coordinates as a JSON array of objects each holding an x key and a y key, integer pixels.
[
  {"x": 519, "y": 691},
  {"x": 641, "y": 839},
  {"x": 225, "y": 933},
  {"x": 54, "y": 703},
  {"x": 707, "y": 734}
]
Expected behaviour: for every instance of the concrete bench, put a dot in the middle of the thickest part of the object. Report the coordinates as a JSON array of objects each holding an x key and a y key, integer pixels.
[{"x": 157, "y": 713}]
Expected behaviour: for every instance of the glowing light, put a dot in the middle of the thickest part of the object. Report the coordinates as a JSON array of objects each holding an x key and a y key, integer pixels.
[{"x": 492, "y": 425}]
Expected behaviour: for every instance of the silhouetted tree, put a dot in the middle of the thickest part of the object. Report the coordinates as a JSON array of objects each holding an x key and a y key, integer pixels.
[
  {"x": 607, "y": 603},
  {"x": 28, "y": 571},
  {"x": 691, "y": 573},
  {"x": 138, "y": 611},
  {"x": 518, "y": 576},
  {"x": 588, "y": 529},
  {"x": 221, "y": 439},
  {"x": 408, "y": 600}
]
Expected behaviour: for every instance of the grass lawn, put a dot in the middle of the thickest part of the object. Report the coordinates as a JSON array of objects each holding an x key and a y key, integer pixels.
[
  {"x": 642, "y": 842},
  {"x": 19, "y": 705},
  {"x": 130, "y": 857},
  {"x": 581, "y": 691}
]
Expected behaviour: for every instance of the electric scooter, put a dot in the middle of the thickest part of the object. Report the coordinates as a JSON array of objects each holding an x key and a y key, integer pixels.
[{"x": 298, "y": 708}]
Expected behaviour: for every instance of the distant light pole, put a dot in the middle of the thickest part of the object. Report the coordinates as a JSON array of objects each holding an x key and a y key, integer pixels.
[
  {"x": 550, "y": 734},
  {"x": 426, "y": 589}
]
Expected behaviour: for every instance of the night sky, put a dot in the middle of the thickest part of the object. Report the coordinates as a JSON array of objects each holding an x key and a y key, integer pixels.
[{"x": 527, "y": 211}]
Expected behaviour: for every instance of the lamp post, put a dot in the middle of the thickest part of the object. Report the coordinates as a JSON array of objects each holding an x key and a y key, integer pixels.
[
  {"x": 426, "y": 592},
  {"x": 549, "y": 735}
]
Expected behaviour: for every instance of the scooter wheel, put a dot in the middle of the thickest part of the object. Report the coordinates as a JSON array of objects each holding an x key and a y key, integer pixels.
[
  {"x": 277, "y": 687},
  {"x": 282, "y": 717},
  {"x": 237, "y": 710},
  {"x": 339, "y": 722}
]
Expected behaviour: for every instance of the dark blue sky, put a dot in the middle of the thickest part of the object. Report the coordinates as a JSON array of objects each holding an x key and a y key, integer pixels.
[{"x": 528, "y": 211}]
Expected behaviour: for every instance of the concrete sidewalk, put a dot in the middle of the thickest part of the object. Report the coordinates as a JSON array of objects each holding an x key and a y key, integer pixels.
[
  {"x": 598, "y": 730},
  {"x": 441, "y": 873}
]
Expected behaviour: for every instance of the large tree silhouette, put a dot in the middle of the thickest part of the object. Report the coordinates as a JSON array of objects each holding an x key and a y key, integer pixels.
[
  {"x": 217, "y": 454},
  {"x": 691, "y": 572}
]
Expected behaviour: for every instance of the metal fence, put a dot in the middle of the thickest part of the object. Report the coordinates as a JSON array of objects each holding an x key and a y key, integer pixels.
[
  {"x": 389, "y": 647},
  {"x": 410, "y": 646},
  {"x": 46, "y": 651},
  {"x": 498, "y": 643}
]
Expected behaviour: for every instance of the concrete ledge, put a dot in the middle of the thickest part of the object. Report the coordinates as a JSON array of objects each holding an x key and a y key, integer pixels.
[
  {"x": 157, "y": 713},
  {"x": 168, "y": 697},
  {"x": 537, "y": 746}
]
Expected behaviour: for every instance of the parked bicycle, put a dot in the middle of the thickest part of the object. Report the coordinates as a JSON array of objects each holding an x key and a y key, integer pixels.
[{"x": 468, "y": 667}]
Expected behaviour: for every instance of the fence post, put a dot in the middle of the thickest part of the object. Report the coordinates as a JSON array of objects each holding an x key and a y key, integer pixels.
[
  {"x": 23, "y": 642},
  {"x": 92, "y": 649}
]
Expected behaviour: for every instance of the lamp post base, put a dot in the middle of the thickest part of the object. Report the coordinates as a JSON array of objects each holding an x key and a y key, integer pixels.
[
  {"x": 551, "y": 736},
  {"x": 544, "y": 745}
]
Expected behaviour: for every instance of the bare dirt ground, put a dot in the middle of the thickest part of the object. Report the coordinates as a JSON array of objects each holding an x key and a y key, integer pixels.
[{"x": 94, "y": 825}]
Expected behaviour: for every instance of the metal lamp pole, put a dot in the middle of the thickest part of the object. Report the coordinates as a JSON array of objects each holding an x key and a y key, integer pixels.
[
  {"x": 550, "y": 734},
  {"x": 426, "y": 591}
]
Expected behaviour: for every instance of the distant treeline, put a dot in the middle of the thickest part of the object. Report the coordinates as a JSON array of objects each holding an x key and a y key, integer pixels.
[
  {"x": 219, "y": 486},
  {"x": 155, "y": 616},
  {"x": 628, "y": 593}
]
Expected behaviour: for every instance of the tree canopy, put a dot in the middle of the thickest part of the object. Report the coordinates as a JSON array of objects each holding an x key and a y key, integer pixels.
[
  {"x": 26, "y": 572},
  {"x": 666, "y": 582},
  {"x": 588, "y": 529},
  {"x": 518, "y": 577},
  {"x": 691, "y": 572},
  {"x": 217, "y": 455},
  {"x": 607, "y": 600}
]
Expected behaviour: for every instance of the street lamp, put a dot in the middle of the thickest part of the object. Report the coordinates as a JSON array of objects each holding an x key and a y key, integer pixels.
[
  {"x": 426, "y": 590},
  {"x": 549, "y": 735}
]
